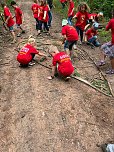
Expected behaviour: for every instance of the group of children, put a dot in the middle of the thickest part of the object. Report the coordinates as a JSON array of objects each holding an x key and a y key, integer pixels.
[
  {"x": 9, "y": 19},
  {"x": 42, "y": 14},
  {"x": 87, "y": 26},
  {"x": 61, "y": 60}
]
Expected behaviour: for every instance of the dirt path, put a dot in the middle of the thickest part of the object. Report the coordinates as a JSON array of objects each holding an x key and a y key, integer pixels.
[{"x": 37, "y": 115}]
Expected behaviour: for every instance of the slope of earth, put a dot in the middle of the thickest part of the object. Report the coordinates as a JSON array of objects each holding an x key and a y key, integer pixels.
[{"x": 37, "y": 115}]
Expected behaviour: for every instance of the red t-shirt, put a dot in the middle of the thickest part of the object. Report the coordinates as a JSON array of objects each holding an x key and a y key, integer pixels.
[
  {"x": 90, "y": 33},
  {"x": 65, "y": 66},
  {"x": 7, "y": 13},
  {"x": 63, "y": 1},
  {"x": 93, "y": 16},
  {"x": 46, "y": 9},
  {"x": 24, "y": 56},
  {"x": 18, "y": 15},
  {"x": 35, "y": 8},
  {"x": 41, "y": 13},
  {"x": 70, "y": 33},
  {"x": 110, "y": 25},
  {"x": 81, "y": 19},
  {"x": 71, "y": 6}
]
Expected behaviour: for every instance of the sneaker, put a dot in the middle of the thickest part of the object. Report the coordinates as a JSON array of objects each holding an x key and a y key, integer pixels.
[
  {"x": 23, "y": 32},
  {"x": 67, "y": 78},
  {"x": 74, "y": 46},
  {"x": 101, "y": 63},
  {"x": 31, "y": 63},
  {"x": 80, "y": 43},
  {"x": 111, "y": 71},
  {"x": 39, "y": 34},
  {"x": 48, "y": 34},
  {"x": 19, "y": 35}
]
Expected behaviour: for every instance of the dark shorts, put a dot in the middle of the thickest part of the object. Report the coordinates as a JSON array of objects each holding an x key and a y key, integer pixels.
[
  {"x": 69, "y": 44},
  {"x": 11, "y": 28}
]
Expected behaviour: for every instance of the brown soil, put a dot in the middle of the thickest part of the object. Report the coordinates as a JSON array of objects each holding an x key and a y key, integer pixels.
[{"x": 38, "y": 115}]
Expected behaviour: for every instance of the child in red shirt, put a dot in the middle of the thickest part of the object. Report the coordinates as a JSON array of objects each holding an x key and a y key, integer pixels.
[
  {"x": 70, "y": 37},
  {"x": 43, "y": 16},
  {"x": 63, "y": 3},
  {"x": 18, "y": 16},
  {"x": 92, "y": 35},
  {"x": 94, "y": 17},
  {"x": 108, "y": 48},
  {"x": 9, "y": 20},
  {"x": 70, "y": 11},
  {"x": 81, "y": 18},
  {"x": 27, "y": 53},
  {"x": 61, "y": 63},
  {"x": 35, "y": 9}
]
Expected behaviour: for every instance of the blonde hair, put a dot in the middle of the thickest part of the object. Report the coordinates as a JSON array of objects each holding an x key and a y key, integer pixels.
[
  {"x": 52, "y": 49},
  {"x": 83, "y": 4},
  {"x": 31, "y": 39}
]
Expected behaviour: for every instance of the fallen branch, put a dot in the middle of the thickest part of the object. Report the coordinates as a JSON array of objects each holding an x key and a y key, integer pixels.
[
  {"x": 89, "y": 84},
  {"x": 100, "y": 72}
]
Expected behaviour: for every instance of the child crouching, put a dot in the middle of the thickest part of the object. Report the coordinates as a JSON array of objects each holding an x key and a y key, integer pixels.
[
  {"x": 91, "y": 35},
  {"x": 62, "y": 64},
  {"x": 27, "y": 53}
]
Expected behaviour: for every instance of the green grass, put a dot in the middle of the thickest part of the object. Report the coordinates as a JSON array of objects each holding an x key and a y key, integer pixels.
[
  {"x": 58, "y": 9},
  {"x": 105, "y": 36}
]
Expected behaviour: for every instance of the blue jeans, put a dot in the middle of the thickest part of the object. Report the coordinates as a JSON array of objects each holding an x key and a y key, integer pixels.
[
  {"x": 70, "y": 20},
  {"x": 94, "y": 41},
  {"x": 50, "y": 18}
]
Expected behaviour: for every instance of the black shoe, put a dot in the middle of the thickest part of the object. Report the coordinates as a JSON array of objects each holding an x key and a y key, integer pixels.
[{"x": 23, "y": 32}]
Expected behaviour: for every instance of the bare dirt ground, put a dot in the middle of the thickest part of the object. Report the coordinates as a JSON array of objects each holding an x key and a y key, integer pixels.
[{"x": 37, "y": 115}]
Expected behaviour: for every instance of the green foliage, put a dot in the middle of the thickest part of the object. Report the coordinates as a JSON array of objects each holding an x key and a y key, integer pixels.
[
  {"x": 102, "y": 85},
  {"x": 105, "y": 36},
  {"x": 96, "y": 6}
]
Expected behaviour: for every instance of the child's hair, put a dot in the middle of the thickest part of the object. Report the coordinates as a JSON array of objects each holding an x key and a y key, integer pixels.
[
  {"x": 3, "y": 4},
  {"x": 100, "y": 13},
  {"x": 45, "y": 2},
  {"x": 31, "y": 39},
  {"x": 52, "y": 49},
  {"x": 13, "y": 3},
  {"x": 87, "y": 9},
  {"x": 35, "y": 1}
]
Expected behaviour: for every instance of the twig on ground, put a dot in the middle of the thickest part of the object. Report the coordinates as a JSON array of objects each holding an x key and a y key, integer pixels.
[{"x": 89, "y": 84}]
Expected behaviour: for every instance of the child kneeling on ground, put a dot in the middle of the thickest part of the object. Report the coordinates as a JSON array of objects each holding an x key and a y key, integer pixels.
[
  {"x": 62, "y": 64},
  {"x": 91, "y": 35},
  {"x": 27, "y": 53}
]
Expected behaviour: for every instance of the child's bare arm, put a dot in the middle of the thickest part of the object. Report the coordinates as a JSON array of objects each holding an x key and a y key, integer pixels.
[
  {"x": 42, "y": 54},
  {"x": 7, "y": 19},
  {"x": 53, "y": 73},
  {"x": 64, "y": 38}
]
